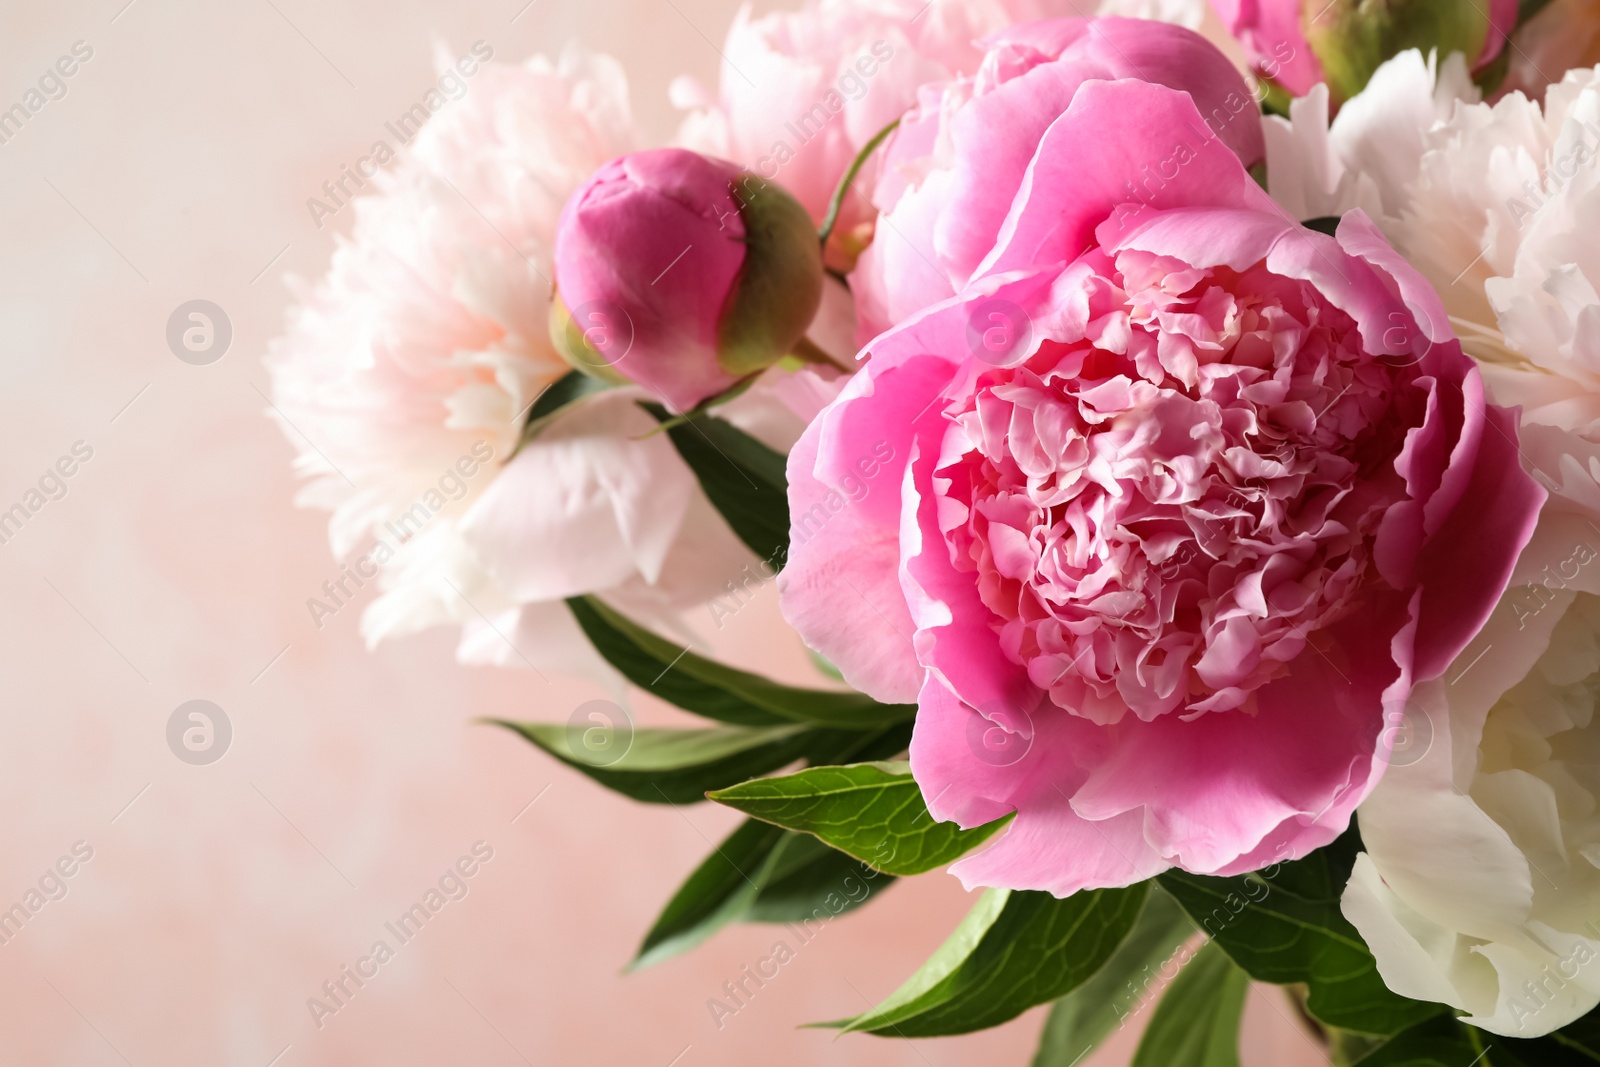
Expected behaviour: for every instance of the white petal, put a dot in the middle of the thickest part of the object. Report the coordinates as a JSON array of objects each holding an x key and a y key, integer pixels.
[
  {"x": 1415, "y": 950},
  {"x": 592, "y": 501}
]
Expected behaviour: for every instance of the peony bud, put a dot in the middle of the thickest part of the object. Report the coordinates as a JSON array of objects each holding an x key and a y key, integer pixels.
[
  {"x": 683, "y": 274},
  {"x": 1294, "y": 44}
]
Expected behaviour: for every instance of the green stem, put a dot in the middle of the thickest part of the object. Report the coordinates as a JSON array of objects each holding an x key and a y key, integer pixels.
[
  {"x": 807, "y": 351},
  {"x": 848, "y": 181},
  {"x": 736, "y": 390}
]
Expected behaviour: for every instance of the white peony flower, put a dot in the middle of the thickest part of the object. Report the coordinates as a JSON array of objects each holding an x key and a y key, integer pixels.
[
  {"x": 1493, "y": 203},
  {"x": 1480, "y": 884},
  {"x": 405, "y": 374},
  {"x": 1372, "y": 153},
  {"x": 1546, "y": 304}
]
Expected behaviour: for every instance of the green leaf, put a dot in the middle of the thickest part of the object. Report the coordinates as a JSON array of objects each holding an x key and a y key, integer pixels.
[
  {"x": 559, "y": 395},
  {"x": 665, "y": 766},
  {"x": 1283, "y": 925},
  {"x": 1079, "y": 1021},
  {"x": 1448, "y": 1042},
  {"x": 1581, "y": 1037},
  {"x": 1014, "y": 949},
  {"x": 718, "y": 892},
  {"x": 1197, "y": 1022},
  {"x": 668, "y": 766},
  {"x": 850, "y": 746},
  {"x": 744, "y": 479},
  {"x": 811, "y": 881},
  {"x": 872, "y": 811},
  {"x": 1437, "y": 1042},
  {"x": 715, "y": 691},
  {"x": 760, "y": 873},
  {"x": 941, "y": 967},
  {"x": 647, "y": 661}
]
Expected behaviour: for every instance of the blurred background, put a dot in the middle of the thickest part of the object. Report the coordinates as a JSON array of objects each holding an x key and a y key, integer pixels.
[{"x": 208, "y": 902}]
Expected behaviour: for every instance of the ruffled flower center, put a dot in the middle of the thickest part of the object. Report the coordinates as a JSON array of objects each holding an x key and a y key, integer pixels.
[{"x": 1162, "y": 513}]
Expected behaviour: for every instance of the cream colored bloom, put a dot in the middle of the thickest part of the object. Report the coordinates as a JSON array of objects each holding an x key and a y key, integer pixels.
[
  {"x": 1495, "y": 204},
  {"x": 1480, "y": 884},
  {"x": 419, "y": 353}
]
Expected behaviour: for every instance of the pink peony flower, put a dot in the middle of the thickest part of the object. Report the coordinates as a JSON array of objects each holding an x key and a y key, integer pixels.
[
  {"x": 682, "y": 273},
  {"x": 1295, "y": 45},
  {"x": 1181, "y": 499},
  {"x": 959, "y": 158},
  {"x": 803, "y": 91}
]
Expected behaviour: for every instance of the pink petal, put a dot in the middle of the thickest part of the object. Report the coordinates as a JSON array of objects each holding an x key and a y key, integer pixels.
[{"x": 1113, "y": 155}]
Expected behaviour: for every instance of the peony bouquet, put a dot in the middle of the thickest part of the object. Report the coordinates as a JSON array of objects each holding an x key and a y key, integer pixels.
[{"x": 1176, "y": 438}]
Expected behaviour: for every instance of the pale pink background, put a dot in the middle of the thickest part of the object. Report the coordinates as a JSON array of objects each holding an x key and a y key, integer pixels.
[{"x": 176, "y": 568}]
